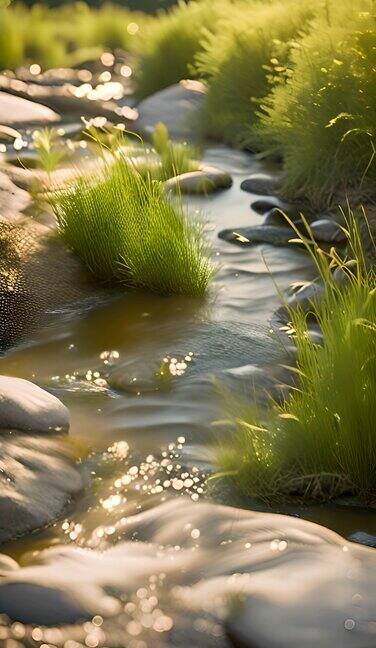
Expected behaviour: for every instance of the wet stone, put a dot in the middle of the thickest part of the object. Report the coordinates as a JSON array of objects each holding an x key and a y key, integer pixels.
[
  {"x": 277, "y": 217},
  {"x": 342, "y": 275},
  {"x": 265, "y": 205},
  {"x": 361, "y": 537},
  {"x": 12, "y": 198},
  {"x": 38, "y": 477},
  {"x": 261, "y": 577},
  {"x": 327, "y": 231},
  {"x": 41, "y": 604},
  {"x": 204, "y": 181},
  {"x": 25, "y": 406},
  {"x": 246, "y": 236},
  {"x": 303, "y": 299},
  {"x": 263, "y": 184}
]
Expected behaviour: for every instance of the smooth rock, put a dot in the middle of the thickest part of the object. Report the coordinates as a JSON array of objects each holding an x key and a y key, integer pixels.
[
  {"x": 16, "y": 110},
  {"x": 263, "y": 184},
  {"x": 257, "y": 234},
  {"x": 7, "y": 564},
  {"x": 9, "y": 134},
  {"x": 38, "y": 476},
  {"x": 206, "y": 180},
  {"x": 41, "y": 604},
  {"x": 363, "y": 538},
  {"x": 13, "y": 199},
  {"x": 327, "y": 231},
  {"x": 344, "y": 274},
  {"x": 308, "y": 292},
  {"x": 277, "y": 217},
  {"x": 264, "y": 205},
  {"x": 303, "y": 298},
  {"x": 315, "y": 335},
  {"x": 25, "y": 406},
  {"x": 268, "y": 580},
  {"x": 176, "y": 106}
]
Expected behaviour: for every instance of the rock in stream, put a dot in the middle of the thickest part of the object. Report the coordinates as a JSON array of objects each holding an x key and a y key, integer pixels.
[
  {"x": 38, "y": 476},
  {"x": 266, "y": 580}
]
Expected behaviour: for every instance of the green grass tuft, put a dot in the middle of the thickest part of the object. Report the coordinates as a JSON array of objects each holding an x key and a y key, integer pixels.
[
  {"x": 320, "y": 442},
  {"x": 175, "y": 157},
  {"x": 125, "y": 230}
]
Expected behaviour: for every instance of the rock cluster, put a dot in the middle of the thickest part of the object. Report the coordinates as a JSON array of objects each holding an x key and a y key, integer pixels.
[{"x": 38, "y": 473}]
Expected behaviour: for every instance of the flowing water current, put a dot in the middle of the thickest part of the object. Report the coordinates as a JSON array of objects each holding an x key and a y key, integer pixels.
[{"x": 144, "y": 437}]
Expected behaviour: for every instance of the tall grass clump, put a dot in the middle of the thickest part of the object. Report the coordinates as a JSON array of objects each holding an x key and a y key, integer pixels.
[
  {"x": 125, "y": 230},
  {"x": 237, "y": 59},
  {"x": 170, "y": 43},
  {"x": 320, "y": 442},
  {"x": 321, "y": 115}
]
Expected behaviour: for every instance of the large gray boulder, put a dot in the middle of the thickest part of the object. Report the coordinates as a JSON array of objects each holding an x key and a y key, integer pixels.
[
  {"x": 25, "y": 406},
  {"x": 38, "y": 476},
  {"x": 176, "y": 106},
  {"x": 17, "y": 110}
]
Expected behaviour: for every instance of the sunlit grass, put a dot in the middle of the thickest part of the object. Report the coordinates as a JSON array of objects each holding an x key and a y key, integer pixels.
[
  {"x": 321, "y": 115},
  {"x": 320, "y": 442},
  {"x": 55, "y": 36},
  {"x": 125, "y": 231},
  {"x": 175, "y": 157},
  {"x": 169, "y": 44},
  {"x": 235, "y": 60},
  {"x": 162, "y": 160}
]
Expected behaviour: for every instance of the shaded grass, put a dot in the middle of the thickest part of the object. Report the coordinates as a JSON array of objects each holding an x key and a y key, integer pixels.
[
  {"x": 320, "y": 442},
  {"x": 126, "y": 231}
]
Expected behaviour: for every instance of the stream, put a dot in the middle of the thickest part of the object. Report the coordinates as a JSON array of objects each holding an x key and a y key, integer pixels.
[{"x": 144, "y": 439}]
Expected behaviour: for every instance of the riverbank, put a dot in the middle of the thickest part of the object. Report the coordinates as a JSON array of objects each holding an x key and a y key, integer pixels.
[{"x": 117, "y": 538}]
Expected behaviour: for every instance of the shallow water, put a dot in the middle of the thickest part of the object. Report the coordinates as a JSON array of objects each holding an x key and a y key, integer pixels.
[{"x": 102, "y": 359}]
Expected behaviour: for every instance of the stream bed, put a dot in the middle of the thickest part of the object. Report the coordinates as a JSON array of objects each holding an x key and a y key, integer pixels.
[{"x": 145, "y": 438}]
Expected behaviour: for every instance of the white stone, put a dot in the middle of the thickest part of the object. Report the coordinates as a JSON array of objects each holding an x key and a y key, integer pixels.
[
  {"x": 175, "y": 106},
  {"x": 16, "y": 110},
  {"x": 25, "y": 406}
]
